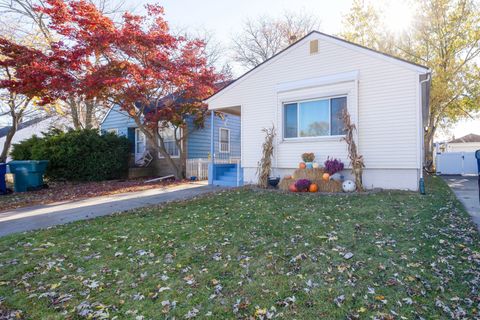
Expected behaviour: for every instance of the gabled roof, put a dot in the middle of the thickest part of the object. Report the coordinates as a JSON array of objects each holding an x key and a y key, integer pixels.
[
  {"x": 180, "y": 99},
  {"x": 4, "y": 131},
  {"x": 417, "y": 67},
  {"x": 466, "y": 139}
]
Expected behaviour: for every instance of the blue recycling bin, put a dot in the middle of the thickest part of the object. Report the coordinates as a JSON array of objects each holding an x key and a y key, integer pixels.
[
  {"x": 3, "y": 185},
  {"x": 477, "y": 155},
  {"x": 28, "y": 174}
]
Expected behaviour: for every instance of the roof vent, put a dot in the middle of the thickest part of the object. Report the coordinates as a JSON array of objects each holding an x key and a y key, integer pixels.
[{"x": 314, "y": 46}]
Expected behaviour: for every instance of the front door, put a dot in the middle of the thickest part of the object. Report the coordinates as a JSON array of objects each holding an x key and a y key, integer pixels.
[{"x": 139, "y": 144}]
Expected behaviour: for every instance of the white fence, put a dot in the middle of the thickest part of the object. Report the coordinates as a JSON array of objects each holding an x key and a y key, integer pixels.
[
  {"x": 199, "y": 167},
  {"x": 456, "y": 163}
]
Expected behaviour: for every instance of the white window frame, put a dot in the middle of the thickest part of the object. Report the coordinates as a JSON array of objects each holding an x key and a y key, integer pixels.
[
  {"x": 298, "y": 102},
  {"x": 220, "y": 140},
  {"x": 112, "y": 130},
  {"x": 160, "y": 156},
  {"x": 138, "y": 132}
]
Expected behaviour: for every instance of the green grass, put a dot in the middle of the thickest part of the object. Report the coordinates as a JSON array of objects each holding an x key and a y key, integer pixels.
[{"x": 244, "y": 253}]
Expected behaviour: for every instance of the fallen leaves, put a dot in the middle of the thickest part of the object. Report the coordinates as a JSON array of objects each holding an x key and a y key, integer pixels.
[{"x": 372, "y": 257}]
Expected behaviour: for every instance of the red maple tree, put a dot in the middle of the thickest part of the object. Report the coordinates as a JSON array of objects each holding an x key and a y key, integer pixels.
[{"x": 158, "y": 78}]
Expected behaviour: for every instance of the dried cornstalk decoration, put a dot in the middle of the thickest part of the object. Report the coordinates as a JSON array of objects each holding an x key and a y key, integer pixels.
[
  {"x": 356, "y": 160},
  {"x": 265, "y": 164}
]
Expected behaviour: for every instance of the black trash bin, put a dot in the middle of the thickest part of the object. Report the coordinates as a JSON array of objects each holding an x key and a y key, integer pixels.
[
  {"x": 3, "y": 185},
  {"x": 477, "y": 155}
]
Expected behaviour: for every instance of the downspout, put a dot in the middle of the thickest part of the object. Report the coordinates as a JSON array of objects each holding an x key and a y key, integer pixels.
[
  {"x": 422, "y": 134},
  {"x": 211, "y": 165}
]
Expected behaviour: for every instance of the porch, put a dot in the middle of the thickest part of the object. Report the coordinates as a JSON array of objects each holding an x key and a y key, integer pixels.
[{"x": 223, "y": 168}]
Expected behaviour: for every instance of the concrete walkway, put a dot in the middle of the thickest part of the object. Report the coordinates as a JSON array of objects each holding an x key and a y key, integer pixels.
[
  {"x": 466, "y": 190},
  {"x": 43, "y": 216}
]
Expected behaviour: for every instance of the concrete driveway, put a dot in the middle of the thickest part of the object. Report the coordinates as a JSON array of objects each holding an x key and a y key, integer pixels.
[
  {"x": 43, "y": 216},
  {"x": 466, "y": 190}
]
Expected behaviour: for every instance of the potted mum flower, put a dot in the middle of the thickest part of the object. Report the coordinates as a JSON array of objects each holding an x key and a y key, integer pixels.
[
  {"x": 302, "y": 185},
  {"x": 308, "y": 158},
  {"x": 333, "y": 167}
]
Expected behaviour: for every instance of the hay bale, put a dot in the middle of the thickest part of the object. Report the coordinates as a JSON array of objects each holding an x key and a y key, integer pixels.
[
  {"x": 285, "y": 183},
  {"x": 329, "y": 186},
  {"x": 310, "y": 174},
  {"x": 315, "y": 176}
]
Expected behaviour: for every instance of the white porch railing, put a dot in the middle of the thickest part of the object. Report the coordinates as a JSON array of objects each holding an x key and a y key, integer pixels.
[{"x": 199, "y": 167}]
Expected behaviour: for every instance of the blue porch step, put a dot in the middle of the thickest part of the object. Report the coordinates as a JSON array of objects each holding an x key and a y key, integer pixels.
[
  {"x": 223, "y": 183},
  {"x": 227, "y": 175}
]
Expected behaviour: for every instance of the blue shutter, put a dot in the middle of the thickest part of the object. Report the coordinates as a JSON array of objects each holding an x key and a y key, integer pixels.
[{"x": 131, "y": 138}]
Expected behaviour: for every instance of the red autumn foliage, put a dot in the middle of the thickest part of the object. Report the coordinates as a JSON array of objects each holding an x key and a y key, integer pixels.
[{"x": 158, "y": 78}]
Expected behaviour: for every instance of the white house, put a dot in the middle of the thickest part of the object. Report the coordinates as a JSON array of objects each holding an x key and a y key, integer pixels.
[
  {"x": 468, "y": 143},
  {"x": 29, "y": 128},
  {"x": 303, "y": 89}
]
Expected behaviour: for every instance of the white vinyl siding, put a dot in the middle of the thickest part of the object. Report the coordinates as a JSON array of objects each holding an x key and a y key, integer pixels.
[{"x": 383, "y": 104}]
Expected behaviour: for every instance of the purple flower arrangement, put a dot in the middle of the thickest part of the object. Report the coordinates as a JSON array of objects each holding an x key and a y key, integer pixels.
[
  {"x": 333, "y": 166},
  {"x": 302, "y": 185}
]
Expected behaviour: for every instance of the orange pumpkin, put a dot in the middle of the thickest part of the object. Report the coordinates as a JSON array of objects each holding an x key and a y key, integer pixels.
[
  {"x": 326, "y": 177},
  {"x": 313, "y": 187},
  {"x": 292, "y": 188},
  {"x": 302, "y": 165}
]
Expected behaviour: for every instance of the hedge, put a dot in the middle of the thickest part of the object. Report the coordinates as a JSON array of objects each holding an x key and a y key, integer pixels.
[{"x": 80, "y": 155}]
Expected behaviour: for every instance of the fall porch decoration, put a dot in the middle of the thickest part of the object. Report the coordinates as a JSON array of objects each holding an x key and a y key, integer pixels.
[
  {"x": 302, "y": 185},
  {"x": 356, "y": 160},
  {"x": 265, "y": 163},
  {"x": 313, "y": 187},
  {"x": 315, "y": 176}
]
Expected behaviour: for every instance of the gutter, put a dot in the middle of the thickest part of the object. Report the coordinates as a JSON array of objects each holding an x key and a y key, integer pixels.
[{"x": 422, "y": 131}]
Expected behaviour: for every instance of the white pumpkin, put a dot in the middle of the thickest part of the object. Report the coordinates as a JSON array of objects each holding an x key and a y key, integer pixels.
[
  {"x": 315, "y": 165},
  {"x": 348, "y": 186}
]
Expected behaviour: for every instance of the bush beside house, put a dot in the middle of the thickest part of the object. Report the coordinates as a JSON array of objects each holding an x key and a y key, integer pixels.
[{"x": 81, "y": 155}]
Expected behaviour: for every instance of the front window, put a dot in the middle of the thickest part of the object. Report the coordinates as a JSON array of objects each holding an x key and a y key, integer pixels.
[
  {"x": 168, "y": 135},
  {"x": 314, "y": 118},
  {"x": 224, "y": 140}
]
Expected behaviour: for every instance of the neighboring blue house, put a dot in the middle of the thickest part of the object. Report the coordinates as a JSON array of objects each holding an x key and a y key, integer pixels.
[{"x": 226, "y": 136}]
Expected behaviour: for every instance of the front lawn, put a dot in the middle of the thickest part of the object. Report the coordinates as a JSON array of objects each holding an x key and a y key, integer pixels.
[{"x": 247, "y": 254}]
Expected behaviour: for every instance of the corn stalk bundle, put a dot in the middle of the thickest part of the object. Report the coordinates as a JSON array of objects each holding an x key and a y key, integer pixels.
[
  {"x": 265, "y": 164},
  {"x": 356, "y": 160}
]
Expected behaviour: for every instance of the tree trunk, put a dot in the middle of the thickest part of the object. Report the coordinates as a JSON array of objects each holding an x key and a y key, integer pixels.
[
  {"x": 9, "y": 138},
  {"x": 89, "y": 106},
  {"x": 428, "y": 148},
  {"x": 72, "y": 103},
  {"x": 159, "y": 147},
  {"x": 179, "y": 169}
]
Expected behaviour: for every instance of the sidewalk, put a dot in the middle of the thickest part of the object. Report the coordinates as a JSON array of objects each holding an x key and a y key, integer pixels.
[
  {"x": 43, "y": 216},
  {"x": 466, "y": 190}
]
